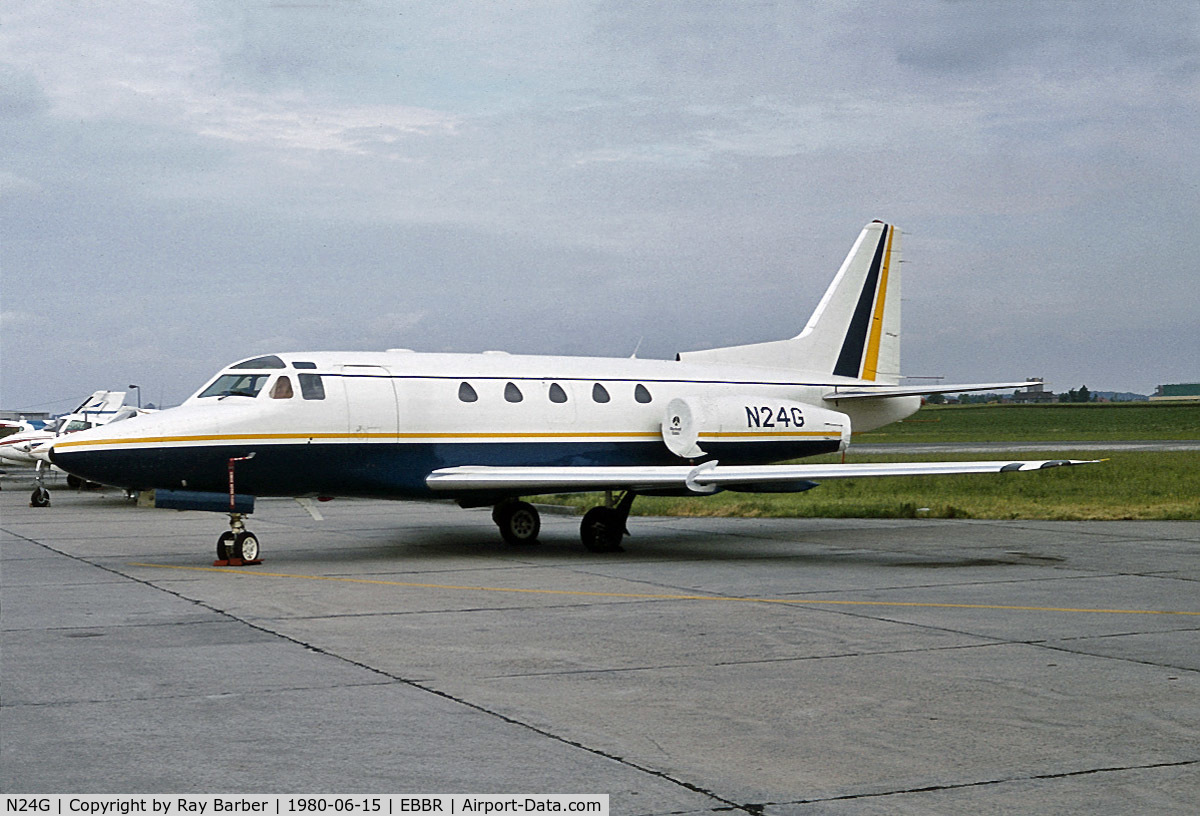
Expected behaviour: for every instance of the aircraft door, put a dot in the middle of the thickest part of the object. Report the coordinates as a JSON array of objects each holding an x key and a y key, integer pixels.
[{"x": 372, "y": 413}]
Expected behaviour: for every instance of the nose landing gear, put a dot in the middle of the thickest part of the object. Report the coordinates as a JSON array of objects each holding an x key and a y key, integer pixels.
[
  {"x": 237, "y": 546},
  {"x": 40, "y": 496}
]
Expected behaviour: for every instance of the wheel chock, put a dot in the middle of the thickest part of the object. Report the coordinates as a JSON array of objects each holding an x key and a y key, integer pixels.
[{"x": 235, "y": 562}]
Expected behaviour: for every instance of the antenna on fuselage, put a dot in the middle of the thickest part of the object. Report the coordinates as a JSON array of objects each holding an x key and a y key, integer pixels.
[{"x": 638, "y": 346}]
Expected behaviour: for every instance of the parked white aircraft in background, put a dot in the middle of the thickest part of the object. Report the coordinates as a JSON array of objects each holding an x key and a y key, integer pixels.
[
  {"x": 97, "y": 409},
  {"x": 31, "y": 444},
  {"x": 15, "y": 426},
  {"x": 20, "y": 437},
  {"x": 487, "y": 429}
]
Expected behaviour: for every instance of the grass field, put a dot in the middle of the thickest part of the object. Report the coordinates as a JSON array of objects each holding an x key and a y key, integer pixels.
[
  {"x": 1158, "y": 485},
  {"x": 1063, "y": 422}
]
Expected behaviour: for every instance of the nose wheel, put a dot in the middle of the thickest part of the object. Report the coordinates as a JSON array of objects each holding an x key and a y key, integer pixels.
[
  {"x": 40, "y": 496},
  {"x": 237, "y": 546}
]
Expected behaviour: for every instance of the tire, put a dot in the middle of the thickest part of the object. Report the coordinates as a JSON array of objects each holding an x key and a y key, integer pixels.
[
  {"x": 245, "y": 546},
  {"x": 602, "y": 530},
  {"x": 40, "y": 497},
  {"x": 225, "y": 546},
  {"x": 518, "y": 521}
]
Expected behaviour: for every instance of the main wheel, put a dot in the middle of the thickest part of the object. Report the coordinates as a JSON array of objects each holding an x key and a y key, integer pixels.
[
  {"x": 518, "y": 521},
  {"x": 40, "y": 497},
  {"x": 225, "y": 546},
  {"x": 602, "y": 530},
  {"x": 245, "y": 546}
]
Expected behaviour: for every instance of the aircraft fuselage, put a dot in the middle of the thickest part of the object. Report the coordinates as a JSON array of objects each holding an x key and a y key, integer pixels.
[{"x": 376, "y": 424}]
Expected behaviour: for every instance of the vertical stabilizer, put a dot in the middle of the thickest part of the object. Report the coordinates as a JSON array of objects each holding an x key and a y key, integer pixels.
[
  {"x": 101, "y": 406},
  {"x": 855, "y": 329}
]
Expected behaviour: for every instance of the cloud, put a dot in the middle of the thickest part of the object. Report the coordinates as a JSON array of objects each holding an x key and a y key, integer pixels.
[
  {"x": 548, "y": 176},
  {"x": 298, "y": 124}
]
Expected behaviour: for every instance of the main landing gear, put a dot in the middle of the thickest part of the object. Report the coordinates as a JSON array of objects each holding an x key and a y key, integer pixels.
[
  {"x": 518, "y": 521},
  {"x": 602, "y": 528},
  {"x": 237, "y": 546}
]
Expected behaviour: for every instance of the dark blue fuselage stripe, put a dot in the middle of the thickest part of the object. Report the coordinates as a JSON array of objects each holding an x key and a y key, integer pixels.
[
  {"x": 378, "y": 470},
  {"x": 849, "y": 362}
]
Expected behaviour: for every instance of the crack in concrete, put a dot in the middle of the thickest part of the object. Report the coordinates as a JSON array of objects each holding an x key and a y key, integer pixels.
[
  {"x": 986, "y": 782},
  {"x": 413, "y": 684},
  {"x": 725, "y": 804}
]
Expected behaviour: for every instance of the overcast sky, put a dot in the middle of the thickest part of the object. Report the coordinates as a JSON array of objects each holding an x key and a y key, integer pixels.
[{"x": 183, "y": 184}]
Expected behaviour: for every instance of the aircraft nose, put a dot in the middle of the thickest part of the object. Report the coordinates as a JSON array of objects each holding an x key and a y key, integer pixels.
[
  {"x": 68, "y": 464},
  {"x": 89, "y": 465}
]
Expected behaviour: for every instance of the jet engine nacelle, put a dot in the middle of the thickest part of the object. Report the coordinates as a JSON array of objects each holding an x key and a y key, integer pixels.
[{"x": 691, "y": 421}]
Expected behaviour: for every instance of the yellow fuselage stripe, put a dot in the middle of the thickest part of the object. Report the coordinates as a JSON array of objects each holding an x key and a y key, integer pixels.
[
  {"x": 549, "y": 435},
  {"x": 256, "y": 437},
  {"x": 871, "y": 364}
]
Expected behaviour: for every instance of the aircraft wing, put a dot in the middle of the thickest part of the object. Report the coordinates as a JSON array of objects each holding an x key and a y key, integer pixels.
[
  {"x": 706, "y": 478},
  {"x": 859, "y": 391}
]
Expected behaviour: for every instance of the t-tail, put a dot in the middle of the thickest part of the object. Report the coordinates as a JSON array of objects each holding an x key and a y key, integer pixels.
[{"x": 854, "y": 331}]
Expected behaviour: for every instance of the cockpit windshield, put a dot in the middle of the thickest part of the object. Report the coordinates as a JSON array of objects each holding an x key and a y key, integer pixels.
[
  {"x": 236, "y": 385},
  {"x": 270, "y": 361}
]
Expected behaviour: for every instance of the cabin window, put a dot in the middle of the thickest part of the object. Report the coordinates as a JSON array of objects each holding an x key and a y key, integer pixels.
[
  {"x": 557, "y": 394},
  {"x": 282, "y": 389},
  {"x": 642, "y": 394},
  {"x": 270, "y": 361},
  {"x": 512, "y": 393},
  {"x": 466, "y": 393},
  {"x": 600, "y": 393},
  {"x": 312, "y": 387},
  {"x": 304, "y": 365},
  {"x": 236, "y": 385}
]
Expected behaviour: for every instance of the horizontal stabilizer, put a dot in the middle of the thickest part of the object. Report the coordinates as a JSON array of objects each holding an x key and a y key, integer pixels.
[
  {"x": 706, "y": 478},
  {"x": 859, "y": 391}
]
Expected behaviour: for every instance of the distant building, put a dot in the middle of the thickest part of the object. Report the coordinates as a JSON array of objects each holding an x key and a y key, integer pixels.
[
  {"x": 1178, "y": 391},
  {"x": 1034, "y": 393},
  {"x": 17, "y": 416}
]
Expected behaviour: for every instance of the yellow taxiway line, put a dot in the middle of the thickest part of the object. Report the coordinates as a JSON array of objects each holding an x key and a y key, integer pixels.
[{"x": 665, "y": 597}]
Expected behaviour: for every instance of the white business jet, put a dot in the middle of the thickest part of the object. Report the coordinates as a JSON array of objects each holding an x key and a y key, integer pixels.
[{"x": 490, "y": 428}]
